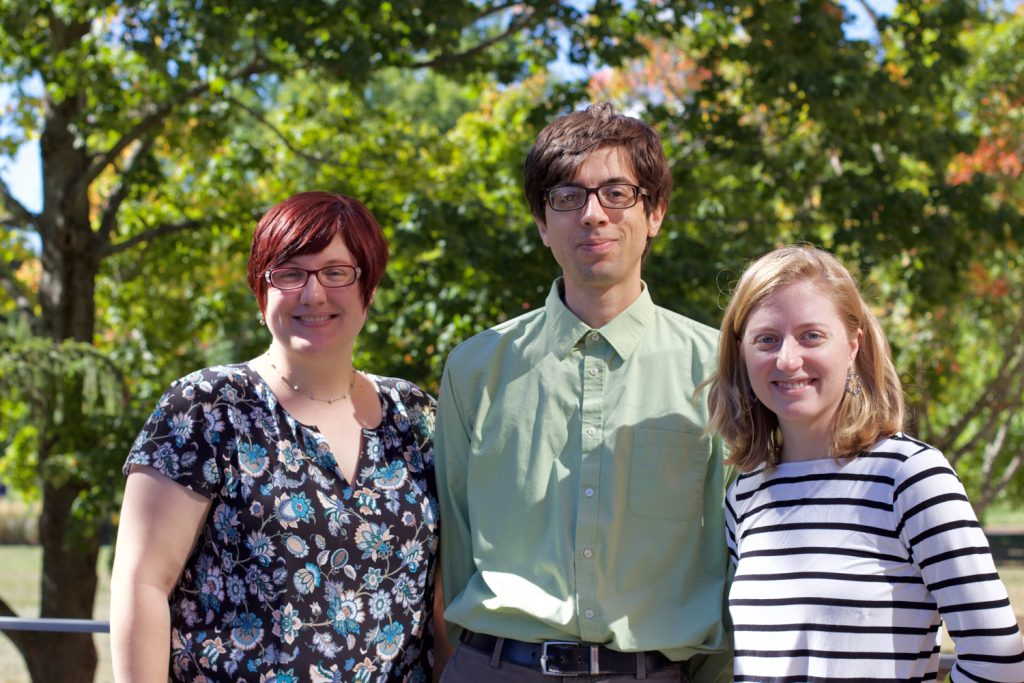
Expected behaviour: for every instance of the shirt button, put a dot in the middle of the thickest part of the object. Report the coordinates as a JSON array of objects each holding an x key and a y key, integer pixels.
[
  {"x": 591, "y": 431},
  {"x": 594, "y": 336},
  {"x": 589, "y": 614},
  {"x": 589, "y": 493},
  {"x": 592, "y": 371},
  {"x": 588, "y": 553}
]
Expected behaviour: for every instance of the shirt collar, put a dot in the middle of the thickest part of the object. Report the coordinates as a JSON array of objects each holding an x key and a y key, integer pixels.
[{"x": 623, "y": 332}]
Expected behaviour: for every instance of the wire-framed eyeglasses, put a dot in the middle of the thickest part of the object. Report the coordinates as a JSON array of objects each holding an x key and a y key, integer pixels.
[
  {"x": 330, "y": 276},
  {"x": 611, "y": 196}
]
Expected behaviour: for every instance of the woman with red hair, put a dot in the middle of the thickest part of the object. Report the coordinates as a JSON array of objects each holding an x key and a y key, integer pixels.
[{"x": 279, "y": 519}]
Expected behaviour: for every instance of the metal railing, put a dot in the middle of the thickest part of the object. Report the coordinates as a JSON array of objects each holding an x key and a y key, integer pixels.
[
  {"x": 55, "y": 625},
  {"x": 945, "y": 665}
]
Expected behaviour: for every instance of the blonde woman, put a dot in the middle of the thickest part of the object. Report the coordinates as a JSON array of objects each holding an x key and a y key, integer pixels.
[{"x": 851, "y": 540}]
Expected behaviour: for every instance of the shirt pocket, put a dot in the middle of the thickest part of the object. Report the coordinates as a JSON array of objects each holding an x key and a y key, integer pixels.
[{"x": 666, "y": 473}]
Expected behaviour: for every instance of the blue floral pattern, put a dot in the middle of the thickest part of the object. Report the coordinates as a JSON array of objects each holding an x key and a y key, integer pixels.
[{"x": 298, "y": 575}]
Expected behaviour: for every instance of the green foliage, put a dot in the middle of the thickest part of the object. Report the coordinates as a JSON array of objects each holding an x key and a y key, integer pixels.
[
  {"x": 788, "y": 131},
  {"x": 468, "y": 252},
  {"x": 964, "y": 374},
  {"x": 73, "y": 396}
]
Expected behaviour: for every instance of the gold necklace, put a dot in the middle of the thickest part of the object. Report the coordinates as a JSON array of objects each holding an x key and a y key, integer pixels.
[{"x": 295, "y": 387}]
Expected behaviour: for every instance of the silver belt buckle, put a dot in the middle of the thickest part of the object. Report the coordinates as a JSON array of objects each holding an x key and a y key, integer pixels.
[{"x": 595, "y": 664}]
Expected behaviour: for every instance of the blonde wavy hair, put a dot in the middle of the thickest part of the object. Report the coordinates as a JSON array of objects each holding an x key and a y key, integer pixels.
[{"x": 749, "y": 428}]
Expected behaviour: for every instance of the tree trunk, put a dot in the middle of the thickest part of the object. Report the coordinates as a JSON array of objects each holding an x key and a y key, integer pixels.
[
  {"x": 70, "y": 263},
  {"x": 68, "y": 591}
]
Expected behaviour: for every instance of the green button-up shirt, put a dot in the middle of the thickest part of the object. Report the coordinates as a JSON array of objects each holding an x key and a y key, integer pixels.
[{"x": 579, "y": 500}]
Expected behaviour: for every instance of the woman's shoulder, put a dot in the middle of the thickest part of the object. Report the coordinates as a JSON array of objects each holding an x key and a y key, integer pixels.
[
  {"x": 184, "y": 435},
  {"x": 212, "y": 381},
  {"x": 746, "y": 483},
  {"x": 218, "y": 375},
  {"x": 901, "y": 448},
  {"x": 906, "y": 457},
  {"x": 402, "y": 392}
]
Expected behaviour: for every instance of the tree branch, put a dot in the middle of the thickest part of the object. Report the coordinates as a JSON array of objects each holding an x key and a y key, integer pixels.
[
  {"x": 997, "y": 417},
  {"x": 19, "y": 215},
  {"x": 1004, "y": 481},
  {"x": 989, "y": 455},
  {"x": 152, "y": 233},
  {"x": 109, "y": 218},
  {"x": 528, "y": 17},
  {"x": 21, "y": 302},
  {"x": 916, "y": 421},
  {"x": 157, "y": 115},
  {"x": 497, "y": 8},
  {"x": 996, "y": 390},
  {"x": 870, "y": 11},
  {"x": 278, "y": 133}
]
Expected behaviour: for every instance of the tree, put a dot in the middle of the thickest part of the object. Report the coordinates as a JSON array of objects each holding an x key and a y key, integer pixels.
[
  {"x": 143, "y": 121},
  {"x": 167, "y": 127},
  {"x": 967, "y": 372},
  {"x": 963, "y": 361},
  {"x": 901, "y": 154}
]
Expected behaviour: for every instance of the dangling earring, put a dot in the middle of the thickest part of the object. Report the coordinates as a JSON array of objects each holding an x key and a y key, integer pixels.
[
  {"x": 261, "y": 319},
  {"x": 854, "y": 385}
]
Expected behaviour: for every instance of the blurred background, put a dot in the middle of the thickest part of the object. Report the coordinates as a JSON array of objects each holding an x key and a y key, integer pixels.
[{"x": 141, "y": 141}]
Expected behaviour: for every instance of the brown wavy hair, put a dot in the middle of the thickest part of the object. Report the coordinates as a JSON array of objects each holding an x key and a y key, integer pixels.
[{"x": 749, "y": 428}]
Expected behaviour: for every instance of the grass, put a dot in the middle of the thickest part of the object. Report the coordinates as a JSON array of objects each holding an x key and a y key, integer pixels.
[
  {"x": 1003, "y": 517},
  {"x": 19, "y": 586},
  {"x": 1013, "y": 577}
]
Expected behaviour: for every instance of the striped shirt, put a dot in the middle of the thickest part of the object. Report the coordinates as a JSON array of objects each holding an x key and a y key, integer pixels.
[{"x": 844, "y": 569}]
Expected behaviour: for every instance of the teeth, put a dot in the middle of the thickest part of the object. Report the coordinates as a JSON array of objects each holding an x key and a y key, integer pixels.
[
  {"x": 314, "y": 318},
  {"x": 792, "y": 385}
]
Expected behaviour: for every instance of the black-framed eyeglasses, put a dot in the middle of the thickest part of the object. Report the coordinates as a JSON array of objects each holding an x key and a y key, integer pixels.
[
  {"x": 611, "y": 196},
  {"x": 330, "y": 276}
]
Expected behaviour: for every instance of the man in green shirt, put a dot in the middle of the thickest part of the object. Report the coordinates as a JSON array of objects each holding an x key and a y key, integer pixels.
[{"x": 581, "y": 507}]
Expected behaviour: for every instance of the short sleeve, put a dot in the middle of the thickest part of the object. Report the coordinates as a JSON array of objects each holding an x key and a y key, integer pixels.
[
  {"x": 184, "y": 436},
  {"x": 420, "y": 407},
  {"x": 413, "y": 414}
]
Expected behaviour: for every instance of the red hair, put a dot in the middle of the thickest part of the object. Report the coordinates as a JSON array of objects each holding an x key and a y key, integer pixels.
[{"x": 305, "y": 223}]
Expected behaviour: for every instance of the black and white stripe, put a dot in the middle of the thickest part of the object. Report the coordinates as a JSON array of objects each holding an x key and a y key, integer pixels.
[{"x": 844, "y": 569}]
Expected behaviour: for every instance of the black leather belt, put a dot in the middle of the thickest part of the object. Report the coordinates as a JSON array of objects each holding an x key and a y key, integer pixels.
[{"x": 559, "y": 658}]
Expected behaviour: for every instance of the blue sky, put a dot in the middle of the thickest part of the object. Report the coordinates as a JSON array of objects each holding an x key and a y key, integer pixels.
[
  {"x": 23, "y": 175},
  {"x": 861, "y": 27}
]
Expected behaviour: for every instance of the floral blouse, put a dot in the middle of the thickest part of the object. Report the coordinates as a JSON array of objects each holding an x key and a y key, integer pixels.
[{"x": 298, "y": 576}]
